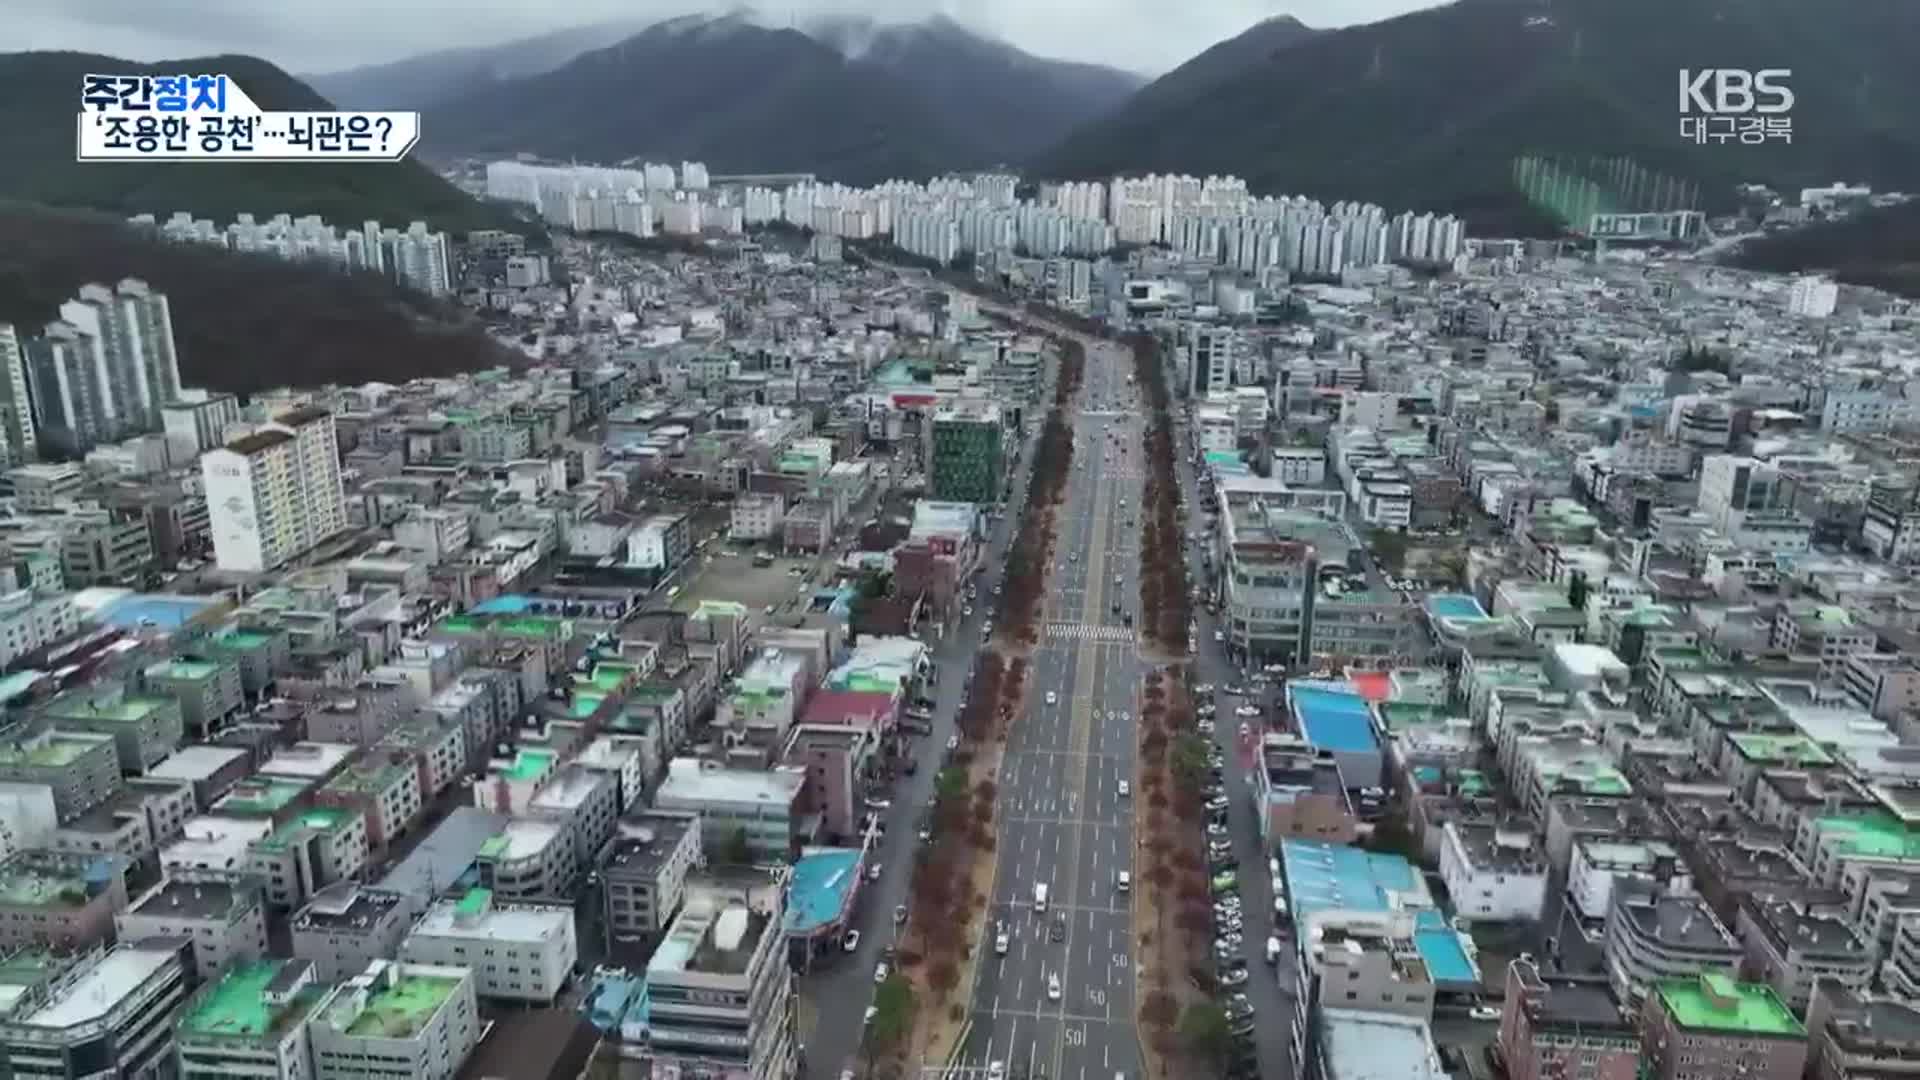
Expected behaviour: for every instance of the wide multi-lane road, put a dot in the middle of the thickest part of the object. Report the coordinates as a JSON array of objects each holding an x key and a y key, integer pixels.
[{"x": 1059, "y": 1003}]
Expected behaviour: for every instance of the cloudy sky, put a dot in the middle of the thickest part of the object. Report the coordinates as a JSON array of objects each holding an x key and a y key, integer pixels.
[{"x": 310, "y": 36}]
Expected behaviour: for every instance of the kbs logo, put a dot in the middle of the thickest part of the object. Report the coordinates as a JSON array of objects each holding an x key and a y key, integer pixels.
[{"x": 1724, "y": 104}]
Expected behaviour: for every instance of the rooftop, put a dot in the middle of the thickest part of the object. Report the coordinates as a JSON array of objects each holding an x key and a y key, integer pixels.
[
  {"x": 254, "y": 1000},
  {"x": 49, "y": 879},
  {"x": 474, "y": 916},
  {"x": 710, "y": 938},
  {"x": 52, "y": 751},
  {"x": 1717, "y": 1003},
  {"x": 346, "y": 907},
  {"x": 205, "y": 897},
  {"x": 646, "y": 840},
  {"x": 393, "y": 1003},
  {"x": 260, "y": 796},
  {"x": 93, "y": 995},
  {"x": 321, "y": 818}
]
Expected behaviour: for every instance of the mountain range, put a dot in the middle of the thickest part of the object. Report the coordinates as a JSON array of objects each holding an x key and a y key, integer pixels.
[
  {"x": 852, "y": 98},
  {"x": 1432, "y": 109}
]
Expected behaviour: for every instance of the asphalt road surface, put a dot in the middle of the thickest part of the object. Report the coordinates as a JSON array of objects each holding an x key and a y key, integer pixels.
[
  {"x": 839, "y": 986},
  {"x": 1060, "y": 1003}
]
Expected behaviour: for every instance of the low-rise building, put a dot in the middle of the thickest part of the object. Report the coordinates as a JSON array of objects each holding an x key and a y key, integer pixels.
[
  {"x": 348, "y": 926},
  {"x": 417, "y": 1020},
  {"x": 764, "y": 804},
  {"x": 1789, "y": 946},
  {"x": 645, "y": 876},
  {"x": 1712, "y": 1027},
  {"x": 1493, "y": 874},
  {"x": 517, "y": 952},
  {"x": 111, "y": 1014},
  {"x": 1559, "y": 1025},
  {"x": 251, "y": 1021},
  {"x": 1651, "y": 936},
  {"x": 222, "y": 913},
  {"x": 60, "y": 899},
  {"x": 719, "y": 990},
  {"x": 82, "y": 769}
]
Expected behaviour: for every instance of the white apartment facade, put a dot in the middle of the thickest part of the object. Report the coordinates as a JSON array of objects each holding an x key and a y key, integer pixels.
[
  {"x": 276, "y": 493},
  {"x": 516, "y": 952},
  {"x": 397, "y": 1020}
]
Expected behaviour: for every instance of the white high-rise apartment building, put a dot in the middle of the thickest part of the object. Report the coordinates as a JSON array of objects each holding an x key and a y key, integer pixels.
[
  {"x": 422, "y": 260},
  {"x": 104, "y": 369},
  {"x": 19, "y": 442},
  {"x": 275, "y": 493},
  {"x": 1812, "y": 298}
]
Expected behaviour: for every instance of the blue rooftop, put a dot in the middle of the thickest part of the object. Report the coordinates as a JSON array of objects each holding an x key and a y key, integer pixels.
[
  {"x": 1333, "y": 718},
  {"x": 1330, "y": 877},
  {"x": 607, "y": 999},
  {"x": 163, "y": 612},
  {"x": 1443, "y": 952},
  {"x": 1455, "y": 606},
  {"x": 511, "y": 604},
  {"x": 821, "y": 888}
]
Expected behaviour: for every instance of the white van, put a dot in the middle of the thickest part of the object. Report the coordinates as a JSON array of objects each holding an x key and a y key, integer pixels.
[
  {"x": 1124, "y": 882},
  {"x": 1273, "y": 950},
  {"x": 1040, "y": 899}
]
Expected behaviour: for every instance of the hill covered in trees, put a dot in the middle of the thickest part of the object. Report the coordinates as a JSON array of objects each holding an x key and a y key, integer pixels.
[
  {"x": 242, "y": 322},
  {"x": 1878, "y": 247}
]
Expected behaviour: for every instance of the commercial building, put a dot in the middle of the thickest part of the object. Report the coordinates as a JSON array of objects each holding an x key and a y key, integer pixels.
[
  {"x": 111, "y": 1014},
  {"x": 1711, "y": 1027},
  {"x": 197, "y": 422},
  {"x": 222, "y": 913},
  {"x": 397, "y": 1019},
  {"x": 718, "y": 991},
  {"x": 60, "y": 899},
  {"x": 308, "y": 852},
  {"x": 1789, "y": 946},
  {"x": 251, "y": 1022},
  {"x": 1493, "y": 875},
  {"x": 348, "y": 926},
  {"x": 1653, "y": 936},
  {"x": 765, "y": 804},
  {"x": 517, "y": 952},
  {"x": 145, "y": 729},
  {"x": 968, "y": 462},
  {"x": 208, "y": 691},
  {"x": 1558, "y": 1025},
  {"x": 81, "y": 769},
  {"x": 645, "y": 877},
  {"x": 275, "y": 493}
]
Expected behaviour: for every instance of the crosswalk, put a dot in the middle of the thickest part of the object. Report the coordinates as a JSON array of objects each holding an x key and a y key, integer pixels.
[{"x": 1077, "y": 631}]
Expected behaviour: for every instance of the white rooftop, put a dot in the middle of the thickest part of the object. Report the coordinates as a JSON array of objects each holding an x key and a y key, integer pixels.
[
  {"x": 94, "y": 994},
  {"x": 214, "y": 843},
  {"x": 516, "y": 923},
  {"x": 568, "y": 790},
  {"x": 308, "y": 760},
  {"x": 691, "y": 783},
  {"x": 527, "y": 837},
  {"x": 195, "y": 762}
]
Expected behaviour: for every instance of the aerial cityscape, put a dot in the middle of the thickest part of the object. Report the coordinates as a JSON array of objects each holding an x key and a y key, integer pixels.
[{"x": 921, "y": 597}]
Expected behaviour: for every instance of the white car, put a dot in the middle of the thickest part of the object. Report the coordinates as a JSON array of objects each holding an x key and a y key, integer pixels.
[
  {"x": 997, "y": 1070},
  {"x": 1053, "y": 698},
  {"x": 953, "y": 742},
  {"x": 873, "y": 872},
  {"x": 1484, "y": 1012},
  {"x": 851, "y": 942},
  {"x": 1126, "y": 789},
  {"x": 872, "y": 1011},
  {"x": 880, "y": 972},
  {"x": 1219, "y": 635},
  {"x": 1247, "y": 710},
  {"x": 1053, "y": 988},
  {"x": 1124, "y": 883}
]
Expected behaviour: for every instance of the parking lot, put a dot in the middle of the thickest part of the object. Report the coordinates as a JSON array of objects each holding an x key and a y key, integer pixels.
[{"x": 735, "y": 578}]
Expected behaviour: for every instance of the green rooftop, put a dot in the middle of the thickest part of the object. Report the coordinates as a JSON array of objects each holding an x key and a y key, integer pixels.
[
  {"x": 237, "y": 1005},
  {"x": 1719, "y": 1004},
  {"x": 366, "y": 779},
  {"x": 474, "y": 902},
  {"x": 584, "y": 704},
  {"x": 243, "y": 639},
  {"x": 127, "y": 710},
  {"x": 260, "y": 796},
  {"x": 609, "y": 676},
  {"x": 320, "y": 818},
  {"x": 185, "y": 670},
  {"x": 399, "y": 1009},
  {"x": 1792, "y": 748},
  {"x": 42, "y": 887},
  {"x": 1879, "y": 835},
  {"x": 51, "y": 753},
  {"x": 529, "y": 765}
]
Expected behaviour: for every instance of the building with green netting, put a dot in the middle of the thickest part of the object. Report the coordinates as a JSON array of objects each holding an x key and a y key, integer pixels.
[
  {"x": 252, "y": 1021},
  {"x": 418, "y": 1020},
  {"x": 968, "y": 460}
]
